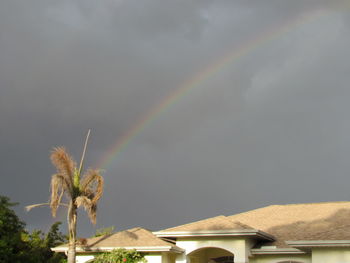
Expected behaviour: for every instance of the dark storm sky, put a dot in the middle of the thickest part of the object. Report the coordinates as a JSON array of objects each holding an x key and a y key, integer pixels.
[{"x": 270, "y": 128}]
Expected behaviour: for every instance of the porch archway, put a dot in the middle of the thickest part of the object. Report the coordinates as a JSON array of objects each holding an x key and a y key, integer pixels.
[{"x": 210, "y": 255}]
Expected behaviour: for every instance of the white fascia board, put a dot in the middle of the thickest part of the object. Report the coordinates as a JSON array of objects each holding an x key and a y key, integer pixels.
[
  {"x": 59, "y": 249},
  {"x": 319, "y": 243},
  {"x": 273, "y": 251},
  {"x": 211, "y": 233},
  {"x": 106, "y": 249}
]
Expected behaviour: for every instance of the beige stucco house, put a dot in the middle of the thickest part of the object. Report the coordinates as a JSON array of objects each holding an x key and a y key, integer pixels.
[{"x": 297, "y": 233}]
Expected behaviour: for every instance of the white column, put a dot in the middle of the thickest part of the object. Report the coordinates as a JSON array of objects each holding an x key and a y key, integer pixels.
[{"x": 181, "y": 258}]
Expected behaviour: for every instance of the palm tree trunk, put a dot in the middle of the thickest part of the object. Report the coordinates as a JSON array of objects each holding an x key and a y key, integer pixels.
[
  {"x": 72, "y": 227},
  {"x": 71, "y": 253}
]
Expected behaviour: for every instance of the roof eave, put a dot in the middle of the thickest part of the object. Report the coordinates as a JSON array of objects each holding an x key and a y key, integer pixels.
[
  {"x": 318, "y": 243},
  {"x": 218, "y": 233},
  {"x": 107, "y": 249},
  {"x": 274, "y": 251}
]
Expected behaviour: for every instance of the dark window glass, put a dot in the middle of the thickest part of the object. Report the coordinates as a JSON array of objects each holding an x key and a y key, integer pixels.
[{"x": 226, "y": 259}]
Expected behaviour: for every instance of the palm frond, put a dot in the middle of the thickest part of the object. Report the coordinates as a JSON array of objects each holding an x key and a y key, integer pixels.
[
  {"x": 30, "y": 207},
  {"x": 92, "y": 188},
  {"x": 92, "y": 185},
  {"x": 59, "y": 185},
  {"x": 83, "y": 201},
  {"x": 99, "y": 189},
  {"x": 92, "y": 212},
  {"x": 88, "y": 205},
  {"x": 64, "y": 163}
]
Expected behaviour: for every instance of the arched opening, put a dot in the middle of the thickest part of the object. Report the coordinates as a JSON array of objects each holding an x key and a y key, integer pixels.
[{"x": 210, "y": 255}]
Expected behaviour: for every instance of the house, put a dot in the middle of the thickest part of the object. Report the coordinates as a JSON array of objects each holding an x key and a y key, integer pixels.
[{"x": 295, "y": 233}]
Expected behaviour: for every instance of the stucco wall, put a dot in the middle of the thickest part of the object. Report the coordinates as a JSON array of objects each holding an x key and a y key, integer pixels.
[
  {"x": 331, "y": 255},
  {"x": 154, "y": 258},
  {"x": 83, "y": 258},
  {"x": 236, "y": 246},
  {"x": 334, "y": 256},
  {"x": 168, "y": 257}
]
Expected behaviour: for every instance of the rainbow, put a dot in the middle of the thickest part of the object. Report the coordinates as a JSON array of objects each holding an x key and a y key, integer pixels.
[{"x": 195, "y": 81}]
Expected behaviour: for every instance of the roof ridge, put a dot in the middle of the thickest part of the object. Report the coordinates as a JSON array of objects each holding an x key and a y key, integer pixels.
[
  {"x": 241, "y": 224},
  {"x": 220, "y": 222},
  {"x": 310, "y": 203},
  {"x": 284, "y": 205},
  {"x": 256, "y": 209},
  {"x": 187, "y": 224},
  {"x": 133, "y": 229}
]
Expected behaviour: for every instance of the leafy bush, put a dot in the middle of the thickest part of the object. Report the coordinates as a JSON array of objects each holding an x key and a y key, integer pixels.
[
  {"x": 39, "y": 245},
  {"x": 120, "y": 256},
  {"x": 12, "y": 246},
  {"x": 18, "y": 245}
]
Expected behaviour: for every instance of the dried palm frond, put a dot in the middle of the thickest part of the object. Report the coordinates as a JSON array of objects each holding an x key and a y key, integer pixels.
[
  {"x": 58, "y": 187},
  {"x": 30, "y": 207},
  {"x": 92, "y": 211},
  {"x": 89, "y": 207},
  {"x": 88, "y": 177},
  {"x": 92, "y": 185},
  {"x": 64, "y": 163},
  {"x": 82, "y": 241},
  {"x": 83, "y": 201}
]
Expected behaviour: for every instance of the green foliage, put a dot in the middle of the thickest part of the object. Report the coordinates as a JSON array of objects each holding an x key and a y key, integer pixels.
[
  {"x": 54, "y": 237},
  {"x": 11, "y": 229},
  {"x": 104, "y": 231},
  {"x": 39, "y": 245},
  {"x": 120, "y": 256},
  {"x": 17, "y": 245}
]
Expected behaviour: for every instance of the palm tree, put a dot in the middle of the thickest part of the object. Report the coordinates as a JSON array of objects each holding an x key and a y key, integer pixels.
[{"x": 80, "y": 190}]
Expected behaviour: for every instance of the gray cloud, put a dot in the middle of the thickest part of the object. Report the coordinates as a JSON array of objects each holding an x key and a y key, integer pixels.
[{"x": 269, "y": 127}]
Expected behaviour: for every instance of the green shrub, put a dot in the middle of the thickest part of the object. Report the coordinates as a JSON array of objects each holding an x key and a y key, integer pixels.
[{"x": 120, "y": 256}]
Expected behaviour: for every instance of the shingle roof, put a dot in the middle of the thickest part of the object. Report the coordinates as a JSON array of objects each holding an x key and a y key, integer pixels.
[
  {"x": 314, "y": 221},
  {"x": 215, "y": 223},
  {"x": 292, "y": 222},
  {"x": 335, "y": 233},
  {"x": 131, "y": 238}
]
